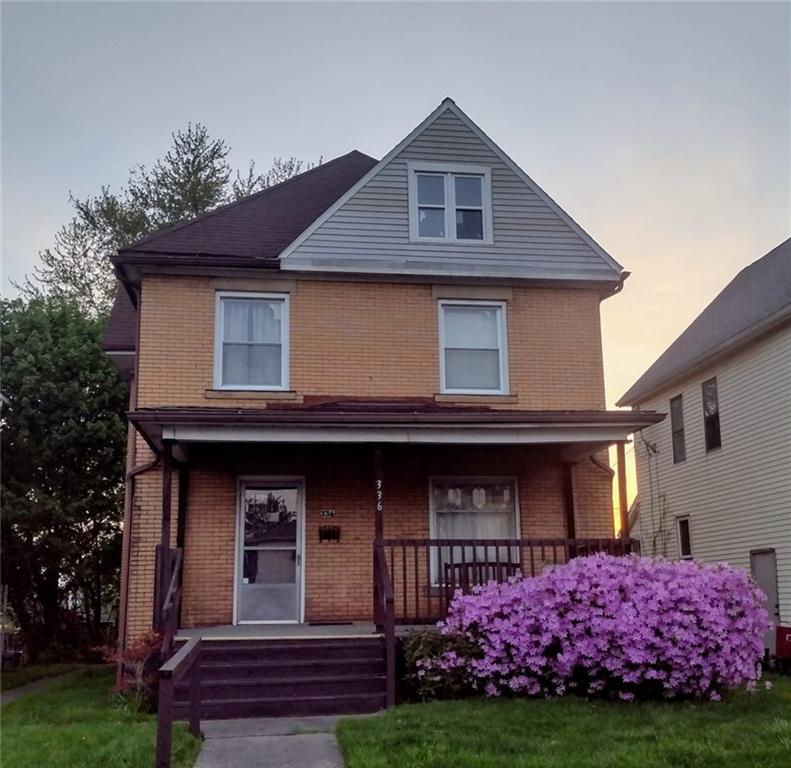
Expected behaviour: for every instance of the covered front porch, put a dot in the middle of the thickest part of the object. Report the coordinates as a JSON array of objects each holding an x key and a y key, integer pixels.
[
  {"x": 311, "y": 516},
  {"x": 304, "y": 540}
]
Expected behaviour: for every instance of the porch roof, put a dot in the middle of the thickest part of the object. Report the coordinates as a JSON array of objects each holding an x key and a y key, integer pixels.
[{"x": 377, "y": 421}]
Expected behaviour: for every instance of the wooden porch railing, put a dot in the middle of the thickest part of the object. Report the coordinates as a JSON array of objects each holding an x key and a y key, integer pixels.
[
  {"x": 186, "y": 661},
  {"x": 423, "y": 574},
  {"x": 384, "y": 617},
  {"x": 166, "y": 614}
]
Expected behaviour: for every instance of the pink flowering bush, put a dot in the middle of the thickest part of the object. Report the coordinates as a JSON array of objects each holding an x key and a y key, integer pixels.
[{"x": 627, "y": 627}]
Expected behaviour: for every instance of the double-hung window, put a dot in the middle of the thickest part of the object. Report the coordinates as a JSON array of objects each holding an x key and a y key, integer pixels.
[
  {"x": 473, "y": 353},
  {"x": 472, "y": 508},
  {"x": 251, "y": 341},
  {"x": 450, "y": 203},
  {"x": 677, "y": 429},
  {"x": 711, "y": 415}
]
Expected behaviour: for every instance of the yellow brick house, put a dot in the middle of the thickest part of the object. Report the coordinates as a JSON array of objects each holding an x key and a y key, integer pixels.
[{"x": 352, "y": 394}]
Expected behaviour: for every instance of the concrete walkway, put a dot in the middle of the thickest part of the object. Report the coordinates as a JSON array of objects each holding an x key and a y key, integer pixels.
[
  {"x": 272, "y": 742},
  {"x": 6, "y": 697}
]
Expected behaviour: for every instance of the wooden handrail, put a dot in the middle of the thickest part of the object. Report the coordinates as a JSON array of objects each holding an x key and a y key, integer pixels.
[
  {"x": 384, "y": 611},
  {"x": 629, "y": 544},
  {"x": 171, "y": 604},
  {"x": 186, "y": 661},
  {"x": 181, "y": 662}
]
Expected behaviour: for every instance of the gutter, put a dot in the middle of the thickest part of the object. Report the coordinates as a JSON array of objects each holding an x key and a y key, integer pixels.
[{"x": 146, "y": 258}]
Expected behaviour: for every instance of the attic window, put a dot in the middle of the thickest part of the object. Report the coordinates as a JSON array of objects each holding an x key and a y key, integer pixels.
[{"x": 449, "y": 203}]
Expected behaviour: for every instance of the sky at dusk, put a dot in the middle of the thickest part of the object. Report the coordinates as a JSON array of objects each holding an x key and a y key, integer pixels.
[{"x": 663, "y": 129}]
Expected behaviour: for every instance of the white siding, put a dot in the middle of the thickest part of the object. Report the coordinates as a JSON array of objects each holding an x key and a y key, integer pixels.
[
  {"x": 370, "y": 232},
  {"x": 738, "y": 498}
]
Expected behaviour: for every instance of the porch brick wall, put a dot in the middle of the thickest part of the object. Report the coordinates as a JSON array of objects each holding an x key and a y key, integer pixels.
[
  {"x": 143, "y": 536},
  {"x": 338, "y": 577},
  {"x": 365, "y": 339}
]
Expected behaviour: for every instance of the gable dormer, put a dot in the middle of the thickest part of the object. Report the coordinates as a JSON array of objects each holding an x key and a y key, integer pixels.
[{"x": 448, "y": 201}]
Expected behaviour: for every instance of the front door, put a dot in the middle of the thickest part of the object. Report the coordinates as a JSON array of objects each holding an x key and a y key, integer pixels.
[
  {"x": 269, "y": 552},
  {"x": 763, "y": 565}
]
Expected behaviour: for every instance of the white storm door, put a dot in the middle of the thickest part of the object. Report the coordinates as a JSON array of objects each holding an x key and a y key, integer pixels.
[{"x": 269, "y": 553}]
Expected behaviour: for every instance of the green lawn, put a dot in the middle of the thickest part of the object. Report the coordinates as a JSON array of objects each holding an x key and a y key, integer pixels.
[
  {"x": 79, "y": 723},
  {"x": 741, "y": 732},
  {"x": 17, "y": 676}
]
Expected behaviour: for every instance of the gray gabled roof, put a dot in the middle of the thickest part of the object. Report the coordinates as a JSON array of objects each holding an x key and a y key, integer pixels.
[{"x": 758, "y": 298}]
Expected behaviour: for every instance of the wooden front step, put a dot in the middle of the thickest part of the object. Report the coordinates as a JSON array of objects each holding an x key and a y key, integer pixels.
[
  {"x": 276, "y": 650},
  {"x": 346, "y": 704},
  {"x": 272, "y": 678}
]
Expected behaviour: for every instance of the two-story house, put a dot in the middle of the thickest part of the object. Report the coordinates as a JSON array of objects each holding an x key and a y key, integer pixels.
[
  {"x": 355, "y": 392},
  {"x": 715, "y": 478}
]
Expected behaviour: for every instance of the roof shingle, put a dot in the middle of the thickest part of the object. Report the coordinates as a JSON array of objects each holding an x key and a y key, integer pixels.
[
  {"x": 263, "y": 224},
  {"x": 758, "y": 295},
  {"x": 257, "y": 227},
  {"x": 121, "y": 332}
]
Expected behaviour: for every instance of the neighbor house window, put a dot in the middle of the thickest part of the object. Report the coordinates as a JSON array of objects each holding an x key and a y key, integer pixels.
[
  {"x": 472, "y": 508},
  {"x": 473, "y": 354},
  {"x": 677, "y": 429},
  {"x": 684, "y": 540},
  {"x": 711, "y": 415},
  {"x": 251, "y": 341},
  {"x": 449, "y": 203}
]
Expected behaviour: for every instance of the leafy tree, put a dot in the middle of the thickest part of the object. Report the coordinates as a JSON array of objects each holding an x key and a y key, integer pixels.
[
  {"x": 63, "y": 438},
  {"x": 193, "y": 177}
]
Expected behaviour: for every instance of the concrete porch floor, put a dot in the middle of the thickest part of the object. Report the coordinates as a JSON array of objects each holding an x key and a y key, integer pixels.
[
  {"x": 278, "y": 631},
  {"x": 290, "y": 631}
]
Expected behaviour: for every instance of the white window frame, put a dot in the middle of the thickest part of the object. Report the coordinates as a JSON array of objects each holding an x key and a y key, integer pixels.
[
  {"x": 219, "y": 333},
  {"x": 414, "y": 167},
  {"x": 681, "y": 555},
  {"x": 502, "y": 342},
  {"x": 467, "y": 480}
]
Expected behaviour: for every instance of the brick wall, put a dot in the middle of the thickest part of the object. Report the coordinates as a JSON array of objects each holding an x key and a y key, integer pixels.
[
  {"x": 338, "y": 577},
  {"x": 371, "y": 339},
  {"x": 351, "y": 339}
]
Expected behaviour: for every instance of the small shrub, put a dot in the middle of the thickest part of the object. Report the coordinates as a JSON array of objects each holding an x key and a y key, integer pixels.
[
  {"x": 626, "y": 627},
  {"x": 425, "y": 682},
  {"x": 139, "y": 676}
]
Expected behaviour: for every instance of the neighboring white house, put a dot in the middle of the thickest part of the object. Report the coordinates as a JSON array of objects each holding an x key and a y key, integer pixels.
[{"x": 715, "y": 477}]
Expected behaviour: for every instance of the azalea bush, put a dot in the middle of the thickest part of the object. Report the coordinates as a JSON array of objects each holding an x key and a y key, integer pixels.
[{"x": 627, "y": 627}]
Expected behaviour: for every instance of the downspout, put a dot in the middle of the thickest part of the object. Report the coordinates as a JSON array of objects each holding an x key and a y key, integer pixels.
[
  {"x": 127, "y": 531},
  {"x": 605, "y": 467},
  {"x": 622, "y": 278},
  {"x": 129, "y": 494}
]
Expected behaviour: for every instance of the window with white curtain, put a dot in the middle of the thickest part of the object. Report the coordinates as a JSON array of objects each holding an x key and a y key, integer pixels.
[
  {"x": 251, "y": 341},
  {"x": 473, "y": 355},
  {"x": 473, "y": 508}
]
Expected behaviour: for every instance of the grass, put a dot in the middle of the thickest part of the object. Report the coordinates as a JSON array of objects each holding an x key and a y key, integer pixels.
[
  {"x": 741, "y": 732},
  {"x": 18, "y": 676},
  {"x": 79, "y": 723}
]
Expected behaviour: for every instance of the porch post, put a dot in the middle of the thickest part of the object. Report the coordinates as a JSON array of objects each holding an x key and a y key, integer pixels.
[
  {"x": 379, "y": 490},
  {"x": 181, "y": 524},
  {"x": 164, "y": 541},
  {"x": 568, "y": 499},
  {"x": 167, "y": 491},
  {"x": 622, "y": 503},
  {"x": 378, "y": 608}
]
